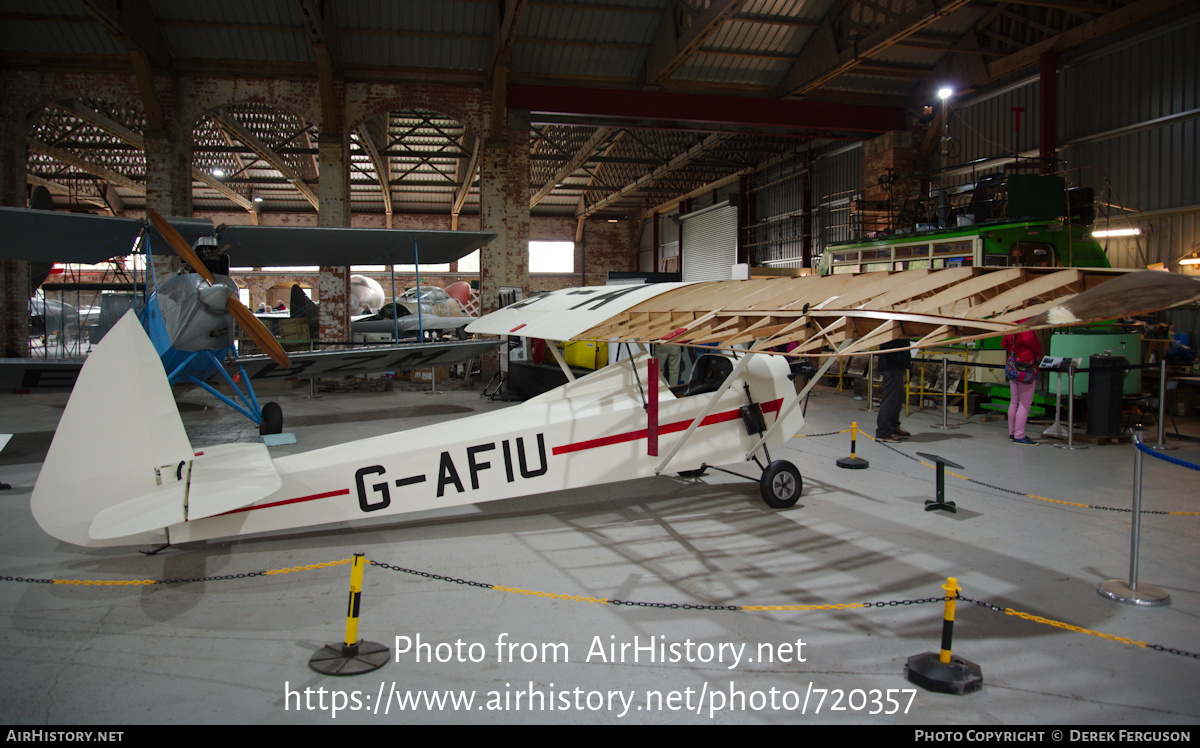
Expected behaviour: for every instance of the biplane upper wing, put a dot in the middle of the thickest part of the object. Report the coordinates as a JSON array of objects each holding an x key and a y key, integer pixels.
[
  {"x": 55, "y": 236},
  {"x": 849, "y": 313},
  {"x": 567, "y": 313}
]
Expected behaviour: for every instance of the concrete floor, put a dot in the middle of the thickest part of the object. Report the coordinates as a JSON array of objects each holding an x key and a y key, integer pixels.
[{"x": 236, "y": 650}]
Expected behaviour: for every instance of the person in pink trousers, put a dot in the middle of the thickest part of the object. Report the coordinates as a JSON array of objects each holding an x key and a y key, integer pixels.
[{"x": 1024, "y": 353}]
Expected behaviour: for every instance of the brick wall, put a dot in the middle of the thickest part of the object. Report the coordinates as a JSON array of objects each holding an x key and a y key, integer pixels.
[{"x": 184, "y": 100}]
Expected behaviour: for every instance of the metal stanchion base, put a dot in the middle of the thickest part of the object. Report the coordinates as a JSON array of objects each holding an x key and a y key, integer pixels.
[
  {"x": 340, "y": 659},
  {"x": 1146, "y": 595},
  {"x": 1162, "y": 448},
  {"x": 1055, "y": 431},
  {"x": 853, "y": 463},
  {"x": 927, "y": 670},
  {"x": 1070, "y": 446},
  {"x": 947, "y": 426},
  {"x": 946, "y": 506}
]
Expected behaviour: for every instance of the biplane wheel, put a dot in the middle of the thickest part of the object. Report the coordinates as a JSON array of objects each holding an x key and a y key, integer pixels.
[
  {"x": 781, "y": 485},
  {"x": 693, "y": 473},
  {"x": 272, "y": 416},
  {"x": 461, "y": 332}
]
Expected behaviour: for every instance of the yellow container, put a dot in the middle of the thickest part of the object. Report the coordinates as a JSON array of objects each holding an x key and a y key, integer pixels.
[{"x": 586, "y": 354}]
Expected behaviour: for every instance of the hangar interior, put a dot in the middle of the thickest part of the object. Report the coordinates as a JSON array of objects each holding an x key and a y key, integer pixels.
[{"x": 643, "y": 137}]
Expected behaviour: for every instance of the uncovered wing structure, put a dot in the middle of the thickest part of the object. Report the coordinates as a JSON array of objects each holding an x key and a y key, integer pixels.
[{"x": 848, "y": 313}]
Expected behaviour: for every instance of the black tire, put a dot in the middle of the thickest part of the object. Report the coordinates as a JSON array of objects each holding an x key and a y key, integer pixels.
[
  {"x": 272, "y": 416},
  {"x": 781, "y": 485},
  {"x": 693, "y": 473},
  {"x": 461, "y": 333}
]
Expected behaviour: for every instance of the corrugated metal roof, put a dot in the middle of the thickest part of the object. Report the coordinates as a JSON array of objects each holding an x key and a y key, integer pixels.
[
  {"x": 80, "y": 34},
  {"x": 592, "y": 43}
]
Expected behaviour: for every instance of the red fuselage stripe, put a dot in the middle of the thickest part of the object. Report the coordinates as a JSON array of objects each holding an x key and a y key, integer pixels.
[
  {"x": 314, "y": 497},
  {"x": 669, "y": 428}
]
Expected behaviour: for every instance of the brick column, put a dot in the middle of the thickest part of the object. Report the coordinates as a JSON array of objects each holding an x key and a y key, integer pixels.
[
  {"x": 333, "y": 283},
  {"x": 504, "y": 209},
  {"x": 168, "y": 184},
  {"x": 14, "y": 274}
]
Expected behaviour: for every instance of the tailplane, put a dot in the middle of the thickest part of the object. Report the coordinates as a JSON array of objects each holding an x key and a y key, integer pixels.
[{"x": 120, "y": 437}]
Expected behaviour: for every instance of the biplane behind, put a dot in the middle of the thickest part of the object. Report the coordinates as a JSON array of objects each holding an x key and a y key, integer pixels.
[
  {"x": 145, "y": 484},
  {"x": 190, "y": 317}
]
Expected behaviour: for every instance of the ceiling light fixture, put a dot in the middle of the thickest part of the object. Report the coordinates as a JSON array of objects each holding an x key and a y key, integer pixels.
[{"x": 1101, "y": 233}]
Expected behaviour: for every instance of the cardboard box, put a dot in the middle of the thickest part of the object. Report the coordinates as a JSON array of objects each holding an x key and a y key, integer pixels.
[{"x": 426, "y": 376}]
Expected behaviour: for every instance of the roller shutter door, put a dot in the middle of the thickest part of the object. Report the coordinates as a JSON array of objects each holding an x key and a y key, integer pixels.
[{"x": 709, "y": 239}]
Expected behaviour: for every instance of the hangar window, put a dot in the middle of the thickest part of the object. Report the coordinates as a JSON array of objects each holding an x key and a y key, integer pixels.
[
  {"x": 551, "y": 257},
  {"x": 470, "y": 263}
]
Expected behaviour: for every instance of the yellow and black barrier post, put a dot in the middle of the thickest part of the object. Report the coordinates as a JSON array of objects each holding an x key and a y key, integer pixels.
[
  {"x": 353, "y": 656},
  {"x": 852, "y": 462},
  {"x": 943, "y": 672}
]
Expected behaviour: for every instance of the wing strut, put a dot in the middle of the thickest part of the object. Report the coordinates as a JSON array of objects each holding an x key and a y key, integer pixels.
[
  {"x": 793, "y": 401},
  {"x": 562, "y": 363},
  {"x": 708, "y": 409}
]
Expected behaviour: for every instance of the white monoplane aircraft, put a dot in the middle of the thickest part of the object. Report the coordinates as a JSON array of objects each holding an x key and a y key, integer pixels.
[{"x": 143, "y": 483}]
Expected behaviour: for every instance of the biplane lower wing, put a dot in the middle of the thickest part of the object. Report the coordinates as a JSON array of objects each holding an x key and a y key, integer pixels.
[
  {"x": 60, "y": 374},
  {"x": 365, "y": 360}
]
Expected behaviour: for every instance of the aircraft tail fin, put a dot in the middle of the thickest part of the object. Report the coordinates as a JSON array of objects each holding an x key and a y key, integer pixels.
[
  {"x": 119, "y": 437},
  {"x": 304, "y": 308}
]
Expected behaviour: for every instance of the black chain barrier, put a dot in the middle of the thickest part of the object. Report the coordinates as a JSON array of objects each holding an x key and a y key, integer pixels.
[
  {"x": 1058, "y": 624},
  {"x": 429, "y": 575},
  {"x": 1002, "y": 489}
]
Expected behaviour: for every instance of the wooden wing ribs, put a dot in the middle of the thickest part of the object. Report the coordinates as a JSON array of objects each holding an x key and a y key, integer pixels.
[{"x": 929, "y": 307}]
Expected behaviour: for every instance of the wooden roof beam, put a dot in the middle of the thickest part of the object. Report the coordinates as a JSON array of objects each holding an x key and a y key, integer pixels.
[
  {"x": 367, "y": 139},
  {"x": 581, "y": 157},
  {"x": 132, "y": 23},
  {"x": 673, "y": 45},
  {"x": 91, "y": 167},
  {"x": 322, "y": 37},
  {"x": 825, "y": 57},
  {"x": 465, "y": 174},
  {"x": 709, "y": 143},
  {"x": 78, "y": 109},
  {"x": 251, "y": 141}
]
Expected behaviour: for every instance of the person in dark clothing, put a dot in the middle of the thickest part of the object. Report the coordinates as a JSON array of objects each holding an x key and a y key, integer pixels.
[{"x": 893, "y": 367}]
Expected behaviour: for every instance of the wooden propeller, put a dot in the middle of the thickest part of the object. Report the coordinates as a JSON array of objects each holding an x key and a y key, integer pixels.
[{"x": 251, "y": 324}]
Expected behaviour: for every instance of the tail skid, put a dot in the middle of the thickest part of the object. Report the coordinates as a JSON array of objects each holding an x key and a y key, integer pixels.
[{"x": 121, "y": 466}]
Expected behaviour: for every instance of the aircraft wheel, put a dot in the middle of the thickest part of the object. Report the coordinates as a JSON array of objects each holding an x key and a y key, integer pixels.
[
  {"x": 461, "y": 333},
  {"x": 693, "y": 473},
  {"x": 781, "y": 485},
  {"x": 272, "y": 419}
]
